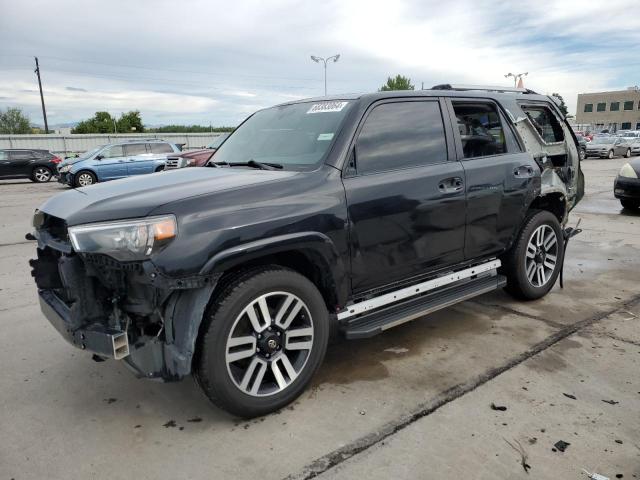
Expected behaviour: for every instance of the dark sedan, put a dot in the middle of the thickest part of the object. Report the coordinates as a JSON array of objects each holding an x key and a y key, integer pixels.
[
  {"x": 37, "y": 165},
  {"x": 626, "y": 187}
]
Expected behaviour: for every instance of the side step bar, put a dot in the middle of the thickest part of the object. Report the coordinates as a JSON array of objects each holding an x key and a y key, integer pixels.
[{"x": 375, "y": 322}]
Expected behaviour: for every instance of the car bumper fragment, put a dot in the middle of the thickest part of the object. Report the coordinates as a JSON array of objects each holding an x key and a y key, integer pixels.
[{"x": 624, "y": 187}]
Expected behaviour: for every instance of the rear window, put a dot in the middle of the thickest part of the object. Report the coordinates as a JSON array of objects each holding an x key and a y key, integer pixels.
[
  {"x": 161, "y": 148},
  {"x": 22, "y": 154}
]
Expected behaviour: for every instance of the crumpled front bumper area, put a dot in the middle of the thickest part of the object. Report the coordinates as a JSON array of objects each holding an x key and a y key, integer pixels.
[{"x": 120, "y": 310}]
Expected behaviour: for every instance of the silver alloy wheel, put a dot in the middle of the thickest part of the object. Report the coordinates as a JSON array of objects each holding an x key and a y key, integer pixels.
[
  {"x": 269, "y": 344},
  {"x": 628, "y": 154},
  {"x": 583, "y": 154},
  {"x": 610, "y": 156},
  {"x": 42, "y": 174},
  {"x": 541, "y": 256},
  {"x": 85, "y": 179}
]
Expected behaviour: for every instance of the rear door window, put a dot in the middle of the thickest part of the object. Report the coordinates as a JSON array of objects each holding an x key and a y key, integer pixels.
[
  {"x": 481, "y": 130},
  {"x": 21, "y": 155},
  {"x": 400, "y": 135},
  {"x": 545, "y": 123},
  {"x": 160, "y": 148},
  {"x": 3, "y": 155},
  {"x": 135, "y": 149}
]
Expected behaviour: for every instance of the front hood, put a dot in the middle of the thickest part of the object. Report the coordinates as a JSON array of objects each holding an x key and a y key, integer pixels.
[{"x": 138, "y": 196}]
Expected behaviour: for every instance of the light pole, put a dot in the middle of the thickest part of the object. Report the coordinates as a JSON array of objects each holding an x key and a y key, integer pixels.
[
  {"x": 335, "y": 58},
  {"x": 516, "y": 77}
]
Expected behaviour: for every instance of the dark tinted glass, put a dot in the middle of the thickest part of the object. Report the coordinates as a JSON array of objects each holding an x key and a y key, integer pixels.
[
  {"x": 135, "y": 149},
  {"x": 615, "y": 106},
  {"x": 481, "y": 131},
  {"x": 602, "y": 107},
  {"x": 22, "y": 155},
  {"x": 161, "y": 148},
  {"x": 545, "y": 123},
  {"x": 588, "y": 107},
  {"x": 399, "y": 135},
  {"x": 628, "y": 105}
]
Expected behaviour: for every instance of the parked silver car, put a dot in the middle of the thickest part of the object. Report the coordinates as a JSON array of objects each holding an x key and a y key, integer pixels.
[
  {"x": 635, "y": 146},
  {"x": 609, "y": 147}
]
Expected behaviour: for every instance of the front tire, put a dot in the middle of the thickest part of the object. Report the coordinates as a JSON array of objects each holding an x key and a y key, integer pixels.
[
  {"x": 628, "y": 154},
  {"x": 84, "y": 178},
  {"x": 610, "y": 154},
  {"x": 265, "y": 337},
  {"x": 533, "y": 264}
]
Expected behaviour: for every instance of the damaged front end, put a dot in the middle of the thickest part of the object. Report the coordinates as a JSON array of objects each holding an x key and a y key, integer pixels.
[{"x": 118, "y": 309}]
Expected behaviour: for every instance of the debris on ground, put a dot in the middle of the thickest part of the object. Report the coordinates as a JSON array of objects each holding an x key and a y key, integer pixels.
[
  {"x": 594, "y": 475},
  {"x": 194, "y": 420},
  {"x": 611, "y": 402},
  {"x": 110, "y": 400},
  {"x": 523, "y": 454},
  {"x": 170, "y": 423},
  {"x": 499, "y": 408},
  {"x": 561, "y": 445},
  {"x": 619, "y": 441},
  {"x": 572, "y": 397}
]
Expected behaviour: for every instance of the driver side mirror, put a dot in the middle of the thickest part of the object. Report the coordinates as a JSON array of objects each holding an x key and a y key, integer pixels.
[{"x": 99, "y": 157}]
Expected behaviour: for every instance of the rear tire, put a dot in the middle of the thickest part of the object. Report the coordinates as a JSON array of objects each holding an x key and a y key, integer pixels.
[
  {"x": 41, "y": 175},
  {"x": 630, "y": 204},
  {"x": 84, "y": 178},
  {"x": 533, "y": 264},
  {"x": 251, "y": 363}
]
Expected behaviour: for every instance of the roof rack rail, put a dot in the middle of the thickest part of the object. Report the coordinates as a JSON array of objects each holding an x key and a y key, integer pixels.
[
  {"x": 486, "y": 88},
  {"x": 128, "y": 140}
]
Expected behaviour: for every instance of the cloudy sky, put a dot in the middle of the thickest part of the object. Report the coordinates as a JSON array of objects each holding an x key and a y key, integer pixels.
[{"x": 208, "y": 61}]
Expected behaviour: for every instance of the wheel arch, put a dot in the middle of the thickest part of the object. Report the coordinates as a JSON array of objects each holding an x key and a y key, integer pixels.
[
  {"x": 87, "y": 169},
  {"x": 554, "y": 202}
]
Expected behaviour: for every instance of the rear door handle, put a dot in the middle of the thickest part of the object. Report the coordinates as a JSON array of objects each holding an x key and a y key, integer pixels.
[
  {"x": 451, "y": 185},
  {"x": 523, "y": 171}
]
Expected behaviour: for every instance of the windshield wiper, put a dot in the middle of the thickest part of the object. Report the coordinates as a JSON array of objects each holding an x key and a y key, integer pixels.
[{"x": 261, "y": 165}]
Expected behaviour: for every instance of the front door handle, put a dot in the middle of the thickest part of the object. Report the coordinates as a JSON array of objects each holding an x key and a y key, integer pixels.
[
  {"x": 451, "y": 185},
  {"x": 523, "y": 171}
]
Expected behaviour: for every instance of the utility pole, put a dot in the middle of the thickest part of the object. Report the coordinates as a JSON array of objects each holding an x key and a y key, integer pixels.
[{"x": 44, "y": 111}]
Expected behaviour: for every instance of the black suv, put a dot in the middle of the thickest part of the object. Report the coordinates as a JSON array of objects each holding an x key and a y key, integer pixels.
[
  {"x": 37, "y": 165},
  {"x": 351, "y": 214}
]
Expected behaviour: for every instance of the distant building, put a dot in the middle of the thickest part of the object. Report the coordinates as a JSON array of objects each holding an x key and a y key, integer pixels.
[{"x": 618, "y": 110}]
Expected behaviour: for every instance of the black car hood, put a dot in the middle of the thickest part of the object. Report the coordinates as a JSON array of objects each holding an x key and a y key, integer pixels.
[{"x": 138, "y": 196}]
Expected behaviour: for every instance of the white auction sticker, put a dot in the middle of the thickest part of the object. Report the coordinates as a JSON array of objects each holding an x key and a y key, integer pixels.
[
  {"x": 325, "y": 136},
  {"x": 327, "y": 107}
]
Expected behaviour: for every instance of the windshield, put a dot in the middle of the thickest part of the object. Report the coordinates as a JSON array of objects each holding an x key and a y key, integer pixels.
[
  {"x": 90, "y": 153},
  {"x": 296, "y": 136},
  {"x": 216, "y": 143},
  {"x": 603, "y": 140}
]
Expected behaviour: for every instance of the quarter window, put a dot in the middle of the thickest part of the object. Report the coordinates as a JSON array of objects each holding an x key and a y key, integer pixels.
[
  {"x": 400, "y": 135},
  {"x": 588, "y": 107},
  {"x": 135, "y": 149},
  {"x": 545, "y": 122},
  {"x": 628, "y": 105},
  {"x": 615, "y": 106},
  {"x": 601, "y": 107},
  {"x": 480, "y": 128}
]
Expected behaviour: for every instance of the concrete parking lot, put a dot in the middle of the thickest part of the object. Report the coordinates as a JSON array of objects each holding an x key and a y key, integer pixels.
[{"x": 414, "y": 402}]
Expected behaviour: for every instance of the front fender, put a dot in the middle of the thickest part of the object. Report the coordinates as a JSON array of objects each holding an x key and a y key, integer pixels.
[{"x": 317, "y": 248}]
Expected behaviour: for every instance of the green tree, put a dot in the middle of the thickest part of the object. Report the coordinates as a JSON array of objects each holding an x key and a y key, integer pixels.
[
  {"x": 562, "y": 106},
  {"x": 101, "y": 122},
  {"x": 398, "y": 83},
  {"x": 12, "y": 120},
  {"x": 130, "y": 122}
]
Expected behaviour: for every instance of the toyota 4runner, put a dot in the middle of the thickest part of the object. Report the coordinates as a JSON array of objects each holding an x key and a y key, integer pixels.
[{"x": 351, "y": 214}]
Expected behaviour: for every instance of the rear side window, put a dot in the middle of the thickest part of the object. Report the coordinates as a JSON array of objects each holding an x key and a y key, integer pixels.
[
  {"x": 545, "y": 122},
  {"x": 22, "y": 155},
  {"x": 161, "y": 148},
  {"x": 3, "y": 155},
  {"x": 401, "y": 135},
  {"x": 135, "y": 149},
  {"x": 481, "y": 130}
]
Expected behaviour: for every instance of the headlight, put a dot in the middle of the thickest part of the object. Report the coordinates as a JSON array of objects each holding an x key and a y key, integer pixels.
[
  {"x": 628, "y": 171},
  {"x": 124, "y": 240},
  {"x": 64, "y": 168}
]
